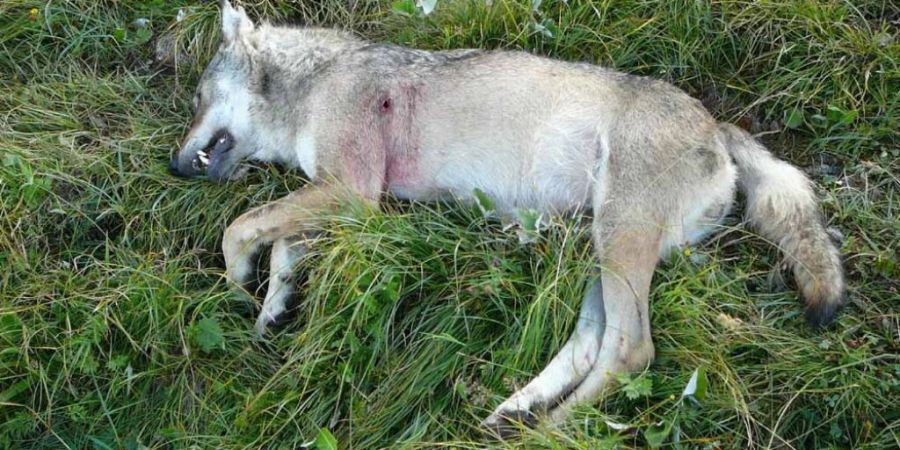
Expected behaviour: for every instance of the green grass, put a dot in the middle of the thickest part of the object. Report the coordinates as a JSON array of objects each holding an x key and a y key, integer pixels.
[{"x": 117, "y": 329}]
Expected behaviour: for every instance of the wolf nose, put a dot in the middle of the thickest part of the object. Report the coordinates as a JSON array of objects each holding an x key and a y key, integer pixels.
[{"x": 173, "y": 167}]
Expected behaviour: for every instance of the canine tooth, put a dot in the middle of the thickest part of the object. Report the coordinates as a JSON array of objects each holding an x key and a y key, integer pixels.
[
  {"x": 202, "y": 153},
  {"x": 204, "y": 159}
]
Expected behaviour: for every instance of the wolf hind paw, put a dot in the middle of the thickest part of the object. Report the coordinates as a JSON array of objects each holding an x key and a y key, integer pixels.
[{"x": 508, "y": 424}]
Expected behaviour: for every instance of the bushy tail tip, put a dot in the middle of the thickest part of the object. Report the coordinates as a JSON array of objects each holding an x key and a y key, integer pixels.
[{"x": 782, "y": 206}]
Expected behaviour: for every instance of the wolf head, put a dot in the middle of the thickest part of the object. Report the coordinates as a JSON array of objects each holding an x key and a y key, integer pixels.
[
  {"x": 247, "y": 105},
  {"x": 221, "y": 133}
]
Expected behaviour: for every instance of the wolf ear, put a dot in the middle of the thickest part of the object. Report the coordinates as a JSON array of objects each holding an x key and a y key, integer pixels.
[{"x": 234, "y": 22}]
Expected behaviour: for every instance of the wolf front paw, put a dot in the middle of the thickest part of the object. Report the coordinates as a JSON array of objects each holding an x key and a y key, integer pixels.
[
  {"x": 238, "y": 252},
  {"x": 272, "y": 314},
  {"x": 239, "y": 274}
]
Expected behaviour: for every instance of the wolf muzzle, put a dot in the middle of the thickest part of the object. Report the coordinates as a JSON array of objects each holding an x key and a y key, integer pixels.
[{"x": 192, "y": 161}]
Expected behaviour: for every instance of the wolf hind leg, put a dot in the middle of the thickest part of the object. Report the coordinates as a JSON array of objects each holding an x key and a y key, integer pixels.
[
  {"x": 627, "y": 345},
  {"x": 612, "y": 335},
  {"x": 561, "y": 376},
  {"x": 628, "y": 262}
]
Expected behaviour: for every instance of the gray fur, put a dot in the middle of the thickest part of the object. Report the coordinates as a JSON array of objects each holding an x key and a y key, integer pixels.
[{"x": 650, "y": 163}]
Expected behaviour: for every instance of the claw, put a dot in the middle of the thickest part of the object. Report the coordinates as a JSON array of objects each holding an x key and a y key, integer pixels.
[
  {"x": 262, "y": 324},
  {"x": 266, "y": 319}
]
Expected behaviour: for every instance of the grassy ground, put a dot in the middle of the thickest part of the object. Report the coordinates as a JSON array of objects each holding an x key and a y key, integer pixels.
[{"x": 118, "y": 331}]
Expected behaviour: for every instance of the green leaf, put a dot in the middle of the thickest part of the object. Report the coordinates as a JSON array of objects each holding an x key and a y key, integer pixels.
[
  {"x": 88, "y": 364},
  {"x": 460, "y": 389},
  {"x": 696, "y": 386},
  {"x": 819, "y": 119},
  {"x": 119, "y": 34},
  {"x": 171, "y": 432},
  {"x": 838, "y": 117},
  {"x": 642, "y": 386},
  {"x": 549, "y": 29},
  {"x": 656, "y": 435},
  {"x": 833, "y": 114},
  {"x": 142, "y": 36},
  {"x": 117, "y": 362},
  {"x": 208, "y": 335},
  {"x": 404, "y": 7},
  {"x": 793, "y": 118},
  {"x": 848, "y": 117},
  {"x": 485, "y": 204},
  {"x": 835, "y": 431},
  {"x": 541, "y": 29},
  {"x": 529, "y": 219},
  {"x": 529, "y": 222},
  {"x": 33, "y": 192},
  {"x": 325, "y": 440}
]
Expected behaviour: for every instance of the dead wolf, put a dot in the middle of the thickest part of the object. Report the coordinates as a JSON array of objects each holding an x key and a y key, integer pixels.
[{"x": 648, "y": 162}]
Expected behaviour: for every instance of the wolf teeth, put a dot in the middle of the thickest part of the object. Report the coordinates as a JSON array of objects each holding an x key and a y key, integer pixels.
[{"x": 203, "y": 158}]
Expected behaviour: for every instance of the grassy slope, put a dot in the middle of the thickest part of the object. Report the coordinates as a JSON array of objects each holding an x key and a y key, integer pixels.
[{"x": 117, "y": 330}]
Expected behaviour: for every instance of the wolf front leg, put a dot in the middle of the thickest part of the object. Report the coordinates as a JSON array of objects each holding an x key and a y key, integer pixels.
[
  {"x": 612, "y": 335},
  {"x": 285, "y": 253},
  {"x": 284, "y": 223}
]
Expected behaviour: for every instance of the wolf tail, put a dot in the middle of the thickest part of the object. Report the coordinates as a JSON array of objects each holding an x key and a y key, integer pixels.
[{"x": 782, "y": 206}]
